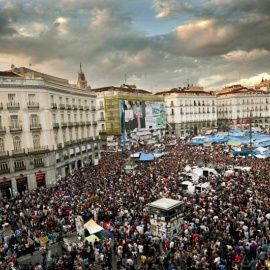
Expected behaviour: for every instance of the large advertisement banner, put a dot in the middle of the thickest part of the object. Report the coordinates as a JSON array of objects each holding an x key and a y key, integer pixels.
[{"x": 144, "y": 115}]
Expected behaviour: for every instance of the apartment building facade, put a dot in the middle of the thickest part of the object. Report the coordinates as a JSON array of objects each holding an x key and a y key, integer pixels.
[
  {"x": 47, "y": 128},
  {"x": 238, "y": 105},
  {"x": 190, "y": 110}
]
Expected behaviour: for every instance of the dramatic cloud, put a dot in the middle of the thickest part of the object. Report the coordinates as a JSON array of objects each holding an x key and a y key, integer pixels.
[{"x": 205, "y": 42}]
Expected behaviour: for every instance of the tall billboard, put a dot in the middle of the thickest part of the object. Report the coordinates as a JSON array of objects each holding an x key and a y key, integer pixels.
[{"x": 149, "y": 115}]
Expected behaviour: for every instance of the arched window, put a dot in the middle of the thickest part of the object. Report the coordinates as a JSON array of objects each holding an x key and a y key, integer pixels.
[
  {"x": 2, "y": 145},
  {"x": 17, "y": 143},
  {"x": 36, "y": 141}
]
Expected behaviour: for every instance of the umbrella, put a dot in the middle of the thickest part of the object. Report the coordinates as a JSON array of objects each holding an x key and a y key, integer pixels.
[
  {"x": 268, "y": 216},
  {"x": 102, "y": 234},
  {"x": 92, "y": 238}
]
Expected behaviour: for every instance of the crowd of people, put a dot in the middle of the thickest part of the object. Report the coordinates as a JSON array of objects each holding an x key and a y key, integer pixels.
[{"x": 220, "y": 229}]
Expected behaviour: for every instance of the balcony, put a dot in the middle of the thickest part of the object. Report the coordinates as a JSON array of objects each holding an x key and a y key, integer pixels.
[
  {"x": 2, "y": 130},
  {"x": 38, "y": 150},
  {"x": 35, "y": 127},
  {"x": 68, "y": 106},
  {"x": 101, "y": 107},
  {"x": 74, "y": 107},
  {"x": 21, "y": 168},
  {"x": 4, "y": 154},
  {"x": 13, "y": 105},
  {"x": 86, "y": 108},
  {"x": 33, "y": 105},
  {"x": 81, "y": 107},
  {"x": 93, "y": 108},
  {"x": 1, "y": 106},
  {"x": 94, "y": 123},
  {"x": 7, "y": 170},
  {"x": 15, "y": 129},
  {"x": 82, "y": 123},
  {"x": 76, "y": 124},
  {"x": 18, "y": 152},
  {"x": 64, "y": 124},
  {"x": 62, "y": 106},
  {"x": 39, "y": 165},
  {"x": 56, "y": 125},
  {"x": 73, "y": 142},
  {"x": 53, "y": 106},
  {"x": 67, "y": 143},
  {"x": 66, "y": 157},
  {"x": 88, "y": 123},
  {"x": 101, "y": 119},
  {"x": 59, "y": 145},
  {"x": 70, "y": 124}
]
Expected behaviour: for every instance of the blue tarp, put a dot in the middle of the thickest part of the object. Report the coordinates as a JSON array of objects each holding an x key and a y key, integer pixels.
[
  {"x": 242, "y": 152},
  {"x": 146, "y": 157}
]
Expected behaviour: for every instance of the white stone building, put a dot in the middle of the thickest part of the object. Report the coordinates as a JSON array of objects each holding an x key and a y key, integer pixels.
[
  {"x": 47, "y": 128},
  {"x": 190, "y": 110},
  {"x": 236, "y": 105}
]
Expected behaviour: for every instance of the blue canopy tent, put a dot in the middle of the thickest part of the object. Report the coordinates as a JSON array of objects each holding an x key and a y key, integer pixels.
[
  {"x": 146, "y": 157},
  {"x": 242, "y": 152}
]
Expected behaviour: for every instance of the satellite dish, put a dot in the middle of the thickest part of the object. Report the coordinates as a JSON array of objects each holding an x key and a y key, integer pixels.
[{"x": 199, "y": 162}]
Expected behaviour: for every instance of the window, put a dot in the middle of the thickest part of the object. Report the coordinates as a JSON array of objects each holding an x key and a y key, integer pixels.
[
  {"x": 19, "y": 164},
  {"x": 2, "y": 145},
  {"x": 82, "y": 133},
  {"x": 86, "y": 117},
  {"x": 67, "y": 101},
  {"x": 52, "y": 99},
  {"x": 17, "y": 144},
  {"x": 56, "y": 137},
  {"x": 102, "y": 115},
  {"x": 54, "y": 118},
  {"x": 73, "y": 101},
  {"x": 31, "y": 98},
  {"x": 93, "y": 117},
  {"x": 79, "y": 102},
  {"x": 36, "y": 141},
  {"x": 68, "y": 117},
  {"x": 11, "y": 97},
  {"x": 62, "y": 118},
  {"x": 88, "y": 132},
  {"x": 0, "y": 121},
  {"x": 81, "y": 117},
  {"x": 70, "y": 134},
  {"x": 14, "y": 121},
  {"x": 60, "y": 99},
  {"x": 172, "y": 112},
  {"x": 75, "y": 117},
  {"x": 64, "y": 136},
  {"x": 34, "y": 120},
  {"x": 103, "y": 127},
  {"x": 76, "y": 133},
  {"x": 4, "y": 166},
  {"x": 85, "y": 102},
  {"x": 101, "y": 104}
]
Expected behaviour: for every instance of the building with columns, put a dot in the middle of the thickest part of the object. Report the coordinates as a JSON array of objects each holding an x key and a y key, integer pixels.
[
  {"x": 238, "y": 105},
  {"x": 190, "y": 110},
  {"x": 47, "y": 128}
]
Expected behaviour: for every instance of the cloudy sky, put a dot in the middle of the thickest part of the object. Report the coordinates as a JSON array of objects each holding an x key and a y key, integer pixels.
[{"x": 158, "y": 44}]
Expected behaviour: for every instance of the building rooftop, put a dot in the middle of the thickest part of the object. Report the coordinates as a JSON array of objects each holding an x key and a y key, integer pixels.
[
  {"x": 165, "y": 204},
  {"x": 8, "y": 74},
  {"x": 122, "y": 88}
]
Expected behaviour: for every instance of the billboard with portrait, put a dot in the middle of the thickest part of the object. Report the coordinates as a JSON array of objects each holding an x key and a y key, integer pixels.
[{"x": 148, "y": 115}]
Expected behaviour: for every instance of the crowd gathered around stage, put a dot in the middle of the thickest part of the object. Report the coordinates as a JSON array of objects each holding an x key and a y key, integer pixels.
[{"x": 225, "y": 229}]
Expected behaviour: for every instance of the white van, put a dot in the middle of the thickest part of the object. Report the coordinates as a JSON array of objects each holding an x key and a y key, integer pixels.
[
  {"x": 190, "y": 188},
  {"x": 204, "y": 171}
]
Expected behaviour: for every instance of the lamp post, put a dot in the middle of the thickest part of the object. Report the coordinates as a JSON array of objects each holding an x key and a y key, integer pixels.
[{"x": 250, "y": 130}]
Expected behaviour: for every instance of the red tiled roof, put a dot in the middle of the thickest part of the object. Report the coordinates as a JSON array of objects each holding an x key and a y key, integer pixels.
[
  {"x": 241, "y": 91},
  {"x": 8, "y": 74},
  {"x": 121, "y": 89},
  {"x": 182, "y": 92}
]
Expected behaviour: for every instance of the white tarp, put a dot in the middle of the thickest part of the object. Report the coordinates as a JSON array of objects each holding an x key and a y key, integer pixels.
[{"x": 92, "y": 226}]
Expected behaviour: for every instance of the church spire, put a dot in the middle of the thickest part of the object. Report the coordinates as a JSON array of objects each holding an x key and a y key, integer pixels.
[{"x": 81, "y": 82}]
